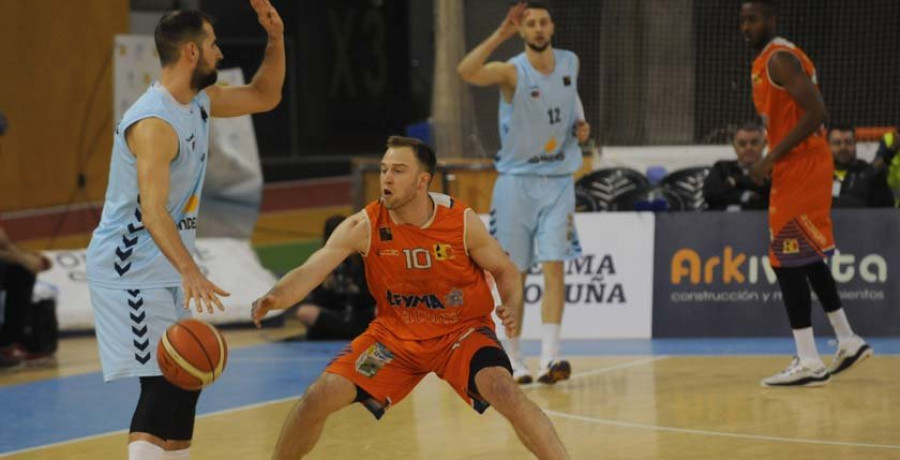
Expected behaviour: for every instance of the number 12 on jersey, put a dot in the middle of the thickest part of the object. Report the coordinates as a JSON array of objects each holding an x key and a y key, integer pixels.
[{"x": 554, "y": 115}]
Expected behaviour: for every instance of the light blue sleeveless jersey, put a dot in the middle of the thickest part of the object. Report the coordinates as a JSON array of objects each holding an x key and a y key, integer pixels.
[
  {"x": 122, "y": 254},
  {"x": 536, "y": 129}
]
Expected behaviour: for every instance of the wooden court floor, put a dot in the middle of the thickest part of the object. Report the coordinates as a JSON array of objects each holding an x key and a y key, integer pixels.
[{"x": 616, "y": 406}]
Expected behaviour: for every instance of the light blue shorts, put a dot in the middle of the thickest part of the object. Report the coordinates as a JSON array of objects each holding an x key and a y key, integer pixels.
[
  {"x": 129, "y": 324},
  {"x": 533, "y": 218}
]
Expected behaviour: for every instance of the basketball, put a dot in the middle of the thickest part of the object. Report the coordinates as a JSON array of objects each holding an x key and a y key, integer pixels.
[{"x": 192, "y": 354}]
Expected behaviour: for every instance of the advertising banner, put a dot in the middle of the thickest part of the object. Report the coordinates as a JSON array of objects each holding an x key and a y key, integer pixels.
[
  {"x": 229, "y": 263},
  {"x": 713, "y": 277},
  {"x": 608, "y": 290}
]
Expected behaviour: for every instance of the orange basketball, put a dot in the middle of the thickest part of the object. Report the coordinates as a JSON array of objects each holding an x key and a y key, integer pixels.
[{"x": 191, "y": 354}]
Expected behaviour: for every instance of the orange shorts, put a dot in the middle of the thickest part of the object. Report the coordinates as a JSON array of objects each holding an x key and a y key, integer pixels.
[
  {"x": 800, "y": 209},
  {"x": 387, "y": 368}
]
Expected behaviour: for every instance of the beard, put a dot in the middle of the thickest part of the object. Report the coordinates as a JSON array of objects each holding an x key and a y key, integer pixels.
[
  {"x": 202, "y": 79},
  {"x": 538, "y": 48}
]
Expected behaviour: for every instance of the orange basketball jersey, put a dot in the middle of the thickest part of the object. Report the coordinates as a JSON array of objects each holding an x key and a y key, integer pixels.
[
  {"x": 775, "y": 106},
  {"x": 422, "y": 278}
]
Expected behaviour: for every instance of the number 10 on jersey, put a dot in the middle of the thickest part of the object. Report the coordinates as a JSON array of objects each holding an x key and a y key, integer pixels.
[{"x": 417, "y": 259}]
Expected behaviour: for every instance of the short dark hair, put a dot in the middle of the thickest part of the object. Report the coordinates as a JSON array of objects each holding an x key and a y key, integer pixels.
[
  {"x": 537, "y": 5},
  {"x": 770, "y": 7},
  {"x": 842, "y": 128},
  {"x": 423, "y": 152},
  {"x": 751, "y": 125},
  {"x": 176, "y": 28}
]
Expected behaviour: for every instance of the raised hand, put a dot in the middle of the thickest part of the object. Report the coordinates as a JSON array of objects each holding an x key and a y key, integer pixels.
[
  {"x": 268, "y": 18},
  {"x": 513, "y": 20}
]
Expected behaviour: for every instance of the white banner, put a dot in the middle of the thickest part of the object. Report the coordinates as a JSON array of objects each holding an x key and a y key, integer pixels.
[
  {"x": 609, "y": 291},
  {"x": 229, "y": 263}
]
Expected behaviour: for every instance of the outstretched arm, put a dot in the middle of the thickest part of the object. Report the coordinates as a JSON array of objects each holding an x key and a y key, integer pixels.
[
  {"x": 352, "y": 235},
  {"x": 472, "y": 69},
  {"x": 155, "y": 144},
  {"x": 487, "y": 254},
  {"x": 264, "y": 91}
]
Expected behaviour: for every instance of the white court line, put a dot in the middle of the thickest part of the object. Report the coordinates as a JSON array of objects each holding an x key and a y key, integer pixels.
[{"x": 644, "y": 426}]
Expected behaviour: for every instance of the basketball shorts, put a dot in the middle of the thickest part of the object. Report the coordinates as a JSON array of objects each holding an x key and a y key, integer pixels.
[
  {"x": 388, "y": 368},
  {"x": 800, "y": 227},
  {"x": 129, "y": 324},
  {"x": 533, "y": 218}
]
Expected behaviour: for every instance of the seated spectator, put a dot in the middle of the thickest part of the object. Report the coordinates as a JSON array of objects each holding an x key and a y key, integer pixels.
[
  {"x": 728, "y": 186},
  {"x": 18, "y": 270},
  {"x": 857, "y": 184},
  {"x": 341, "y": 307},
  {"x": 888, "y": 162}
]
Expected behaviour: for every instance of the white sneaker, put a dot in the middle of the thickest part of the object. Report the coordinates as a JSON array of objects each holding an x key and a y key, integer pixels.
[
  {"x": 849, "y": 352},
  {"x": 521, "y": 374},
  {"x": 799, "y": 374},
  {"x": 555, "y": 371}
]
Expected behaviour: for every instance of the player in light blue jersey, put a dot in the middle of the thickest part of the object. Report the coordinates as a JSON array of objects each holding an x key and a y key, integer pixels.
[
  {"x": 533, "y": 205},
  {"x": 141, "y": 274}
]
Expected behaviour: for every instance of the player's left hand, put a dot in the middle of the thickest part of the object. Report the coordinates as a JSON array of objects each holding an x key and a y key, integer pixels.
[
  {"x": 508, "y": 318},
  {"x": 760, "y": 171},
  {"x": 261, "y": 306},
  {"x": 582, "y": 131},
  {"x": 268, "y": 18}
]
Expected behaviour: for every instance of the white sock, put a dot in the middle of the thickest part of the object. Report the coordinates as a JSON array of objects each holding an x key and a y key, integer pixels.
[
  {"x": 549, "y": 343},
  {"x": 806, "y": 346},
  {"x": 180, "y": 454},
  {"x": 839, "y": 322},
  {"x": 143, "y": 450},
  {"x": 513, "y": 349}
]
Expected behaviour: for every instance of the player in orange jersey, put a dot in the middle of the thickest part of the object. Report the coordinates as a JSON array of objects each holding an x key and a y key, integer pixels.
[
  {"x": 786, "y": 96},
  {"x": 425, "y": 258}
]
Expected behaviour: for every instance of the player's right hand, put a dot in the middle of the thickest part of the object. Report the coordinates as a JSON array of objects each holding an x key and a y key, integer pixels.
[
  {"x": 201, "y": 291},
  {"x": 513, "y": 20}
]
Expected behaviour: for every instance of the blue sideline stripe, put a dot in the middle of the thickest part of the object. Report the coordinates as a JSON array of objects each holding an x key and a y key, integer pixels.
[{"x": 51, "y": 411}]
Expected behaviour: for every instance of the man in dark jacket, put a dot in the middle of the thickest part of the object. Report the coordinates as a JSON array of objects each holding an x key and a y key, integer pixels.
[
  {"x": 728, "y": 186},
  {"x": 857, "y": 184}
]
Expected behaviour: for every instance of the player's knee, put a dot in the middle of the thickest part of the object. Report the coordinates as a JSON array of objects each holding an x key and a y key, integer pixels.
[
  {"x": 553, "y": 270},
  {"x": 497, "y": 387},
  {"x": 328, "y": 394},
  {"x": 164, "y": 410},
  {"x": 308, "y": 314}
]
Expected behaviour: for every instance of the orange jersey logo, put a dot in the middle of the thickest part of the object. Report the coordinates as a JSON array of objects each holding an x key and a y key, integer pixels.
[{"x": 423, "y": 280}]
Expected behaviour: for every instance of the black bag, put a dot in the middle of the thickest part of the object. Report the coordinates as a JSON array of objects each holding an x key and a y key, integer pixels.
[{"x": 41, "y": 333}]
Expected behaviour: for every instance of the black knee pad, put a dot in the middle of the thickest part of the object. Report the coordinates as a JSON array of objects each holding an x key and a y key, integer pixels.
[
  {"x": 796, "y": 296},
  {"x": 164, "y": 410},
  {"x": 483, "y": 358}
]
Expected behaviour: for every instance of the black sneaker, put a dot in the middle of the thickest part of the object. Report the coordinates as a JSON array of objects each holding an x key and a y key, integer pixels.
[{"x": 556, "y": 371}]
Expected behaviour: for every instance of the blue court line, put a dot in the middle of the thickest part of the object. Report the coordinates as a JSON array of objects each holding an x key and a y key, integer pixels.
[{"x": 52, "y": 411}]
